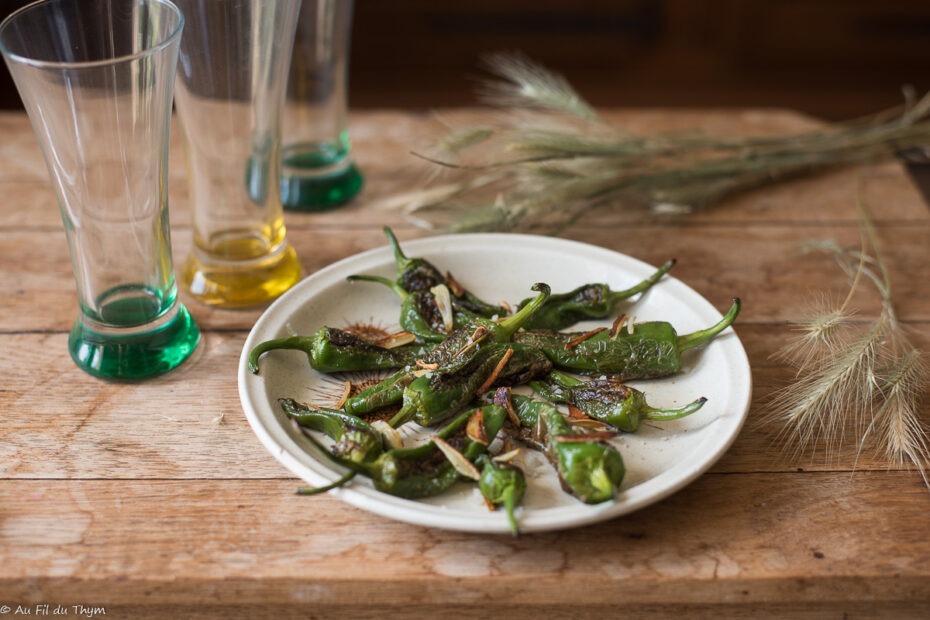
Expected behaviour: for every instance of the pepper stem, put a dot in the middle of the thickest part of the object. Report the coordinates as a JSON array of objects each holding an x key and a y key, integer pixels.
[
  {"x": 702, "y": 337},
  {"x": 328, "y": 487},
  {"x": 299, "y": 343},
  {"x": 515, "y": 321},
  {"x": 510, "y": 504},
  {"x": 646, "y": 284},
  {"x": 391, "y": 284},
  {"x": 399, "y": 257},
  {"x": 651, "y": 413},
  {"x": 403, "y": 416}
]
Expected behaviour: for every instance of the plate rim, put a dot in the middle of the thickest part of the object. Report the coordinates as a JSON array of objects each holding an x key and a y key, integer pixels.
[{"x": 292, "y": 456}]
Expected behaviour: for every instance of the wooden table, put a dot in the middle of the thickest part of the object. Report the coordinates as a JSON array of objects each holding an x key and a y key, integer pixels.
[{"x": 156, "y": 500}]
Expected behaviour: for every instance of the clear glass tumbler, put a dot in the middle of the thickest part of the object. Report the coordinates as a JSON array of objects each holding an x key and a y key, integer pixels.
[
  {"x": 318, "y": 171},
  {"x": 229, "y": 96},
  {"x": 96, "y": 78}
]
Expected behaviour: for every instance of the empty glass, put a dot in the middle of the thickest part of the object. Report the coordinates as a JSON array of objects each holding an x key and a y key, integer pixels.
[
  {"x": 229, "y": 95},
  {"x": 96, "y": 78},
  {"x": 318, "y": 170}
]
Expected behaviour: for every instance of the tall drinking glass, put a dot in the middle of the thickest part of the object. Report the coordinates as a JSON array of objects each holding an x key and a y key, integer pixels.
[
  {"x": 96, "y": 78},
  {"x": 229, "y": 96},
  {"x": 318, "y": 170}
]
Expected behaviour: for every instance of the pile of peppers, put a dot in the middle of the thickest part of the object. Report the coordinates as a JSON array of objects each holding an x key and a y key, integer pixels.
[{"x": 452, "y": 370}]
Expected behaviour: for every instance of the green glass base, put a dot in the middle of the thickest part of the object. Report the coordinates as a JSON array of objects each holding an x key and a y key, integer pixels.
[
  {"x": 320, "y": 193},
  {"x": 134, "y": 353}
]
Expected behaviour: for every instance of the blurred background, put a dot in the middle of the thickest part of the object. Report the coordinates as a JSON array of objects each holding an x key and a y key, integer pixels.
[{"x": 834, "y": 59}]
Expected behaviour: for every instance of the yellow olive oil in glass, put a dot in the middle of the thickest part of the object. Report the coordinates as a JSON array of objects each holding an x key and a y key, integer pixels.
[
  {"x": 241, "y": 268},
  {"x": 229, "y": 97}
]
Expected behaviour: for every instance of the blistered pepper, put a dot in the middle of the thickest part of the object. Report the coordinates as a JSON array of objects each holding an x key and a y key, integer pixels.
[
  {"x": 609, "y": 401},
  {"x": 451, "y": 356},
  {"x": 423, "y": 470},
  {"x": 355, "y": 439},
  {"x": 588, "y": 466},
  {"x": 640, "y": 351},
  {"x": 385, "y": 393},
  {"x": 419, "y": 311},
  {"x": 502, "y": 484},
  {"x": 337, "y": 350},
  {"x": 435, "y": 396},
  {"x": 587, "y": 302},
  {"x": 418, "y": 274}
]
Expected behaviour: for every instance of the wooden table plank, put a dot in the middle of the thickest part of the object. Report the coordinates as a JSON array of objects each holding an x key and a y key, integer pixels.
[{"x": 725, "y": 539}]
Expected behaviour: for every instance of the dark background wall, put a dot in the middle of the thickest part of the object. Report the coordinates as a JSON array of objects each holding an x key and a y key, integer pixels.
[{"x": 831, "y": 58}]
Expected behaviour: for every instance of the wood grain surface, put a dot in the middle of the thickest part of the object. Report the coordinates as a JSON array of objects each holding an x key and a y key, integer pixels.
[{"x": 155, "y": 499}]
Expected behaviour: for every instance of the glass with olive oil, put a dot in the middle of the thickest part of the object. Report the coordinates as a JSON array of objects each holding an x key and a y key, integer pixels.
[{"x": 229, "y": 96}]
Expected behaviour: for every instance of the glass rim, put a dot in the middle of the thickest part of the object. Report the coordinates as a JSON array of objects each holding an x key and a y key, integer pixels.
[{"x": 60, "y": 64}]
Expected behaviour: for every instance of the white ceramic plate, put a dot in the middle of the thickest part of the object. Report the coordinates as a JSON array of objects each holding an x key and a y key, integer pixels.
[{"x": 502, "y": 267}]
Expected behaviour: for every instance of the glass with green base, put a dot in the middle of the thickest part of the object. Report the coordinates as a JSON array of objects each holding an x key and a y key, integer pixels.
[
  {"x": 96, "y": 78},
  {"x": 317, "y": 169}
]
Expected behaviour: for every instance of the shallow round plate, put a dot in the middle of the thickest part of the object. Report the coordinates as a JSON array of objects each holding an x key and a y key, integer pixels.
[{"x": 502, "y": 267}]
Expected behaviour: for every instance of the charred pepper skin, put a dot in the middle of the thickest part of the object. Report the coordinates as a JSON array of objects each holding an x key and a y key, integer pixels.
[
  {"x": 587, "y": 302},
  {"x": 430, "y": 399},
  {"x": 418, "y": 274},
  {"x": 423, "y": 471},
  {"x": 419, "y": 313},
  {"x": 412, "y": 473},
  {"x": 336, "y": 350},
  {"x": 458, "y": 351},
  {"x": 647, "y": 351},
  {"x": 455, "y": 352},
  {"x": 355, "y": 440},
  {"x": 592, "y": 471},
  {"x": 609, "y": 401},
  {"x": 433, "y": 397}
]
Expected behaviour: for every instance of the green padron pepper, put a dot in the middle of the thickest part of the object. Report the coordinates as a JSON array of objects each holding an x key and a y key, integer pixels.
[
  {"x": 386, "y": 393},
  {"x": 418, "y": 274},
  {"x": 423, "y": 471},
  {"x": 502, "y": 484},
  {"x": 587, "y": 302},
  {"x": 416, "y": 472},
  {"x": 609, "y": 401},
  {"x": 641, "y": 351},
  {"x": 355, "y": 439},
  {"x": 419, "y": 311},
  {"x": 438, "y": 395},
  {"x": 337, "y": 350},
  {"x": 454, "y": 356},
  {"x": 588, "y": 466}
]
